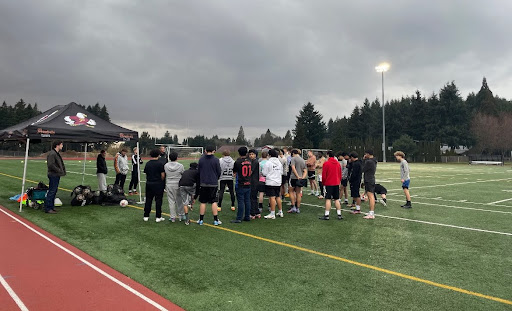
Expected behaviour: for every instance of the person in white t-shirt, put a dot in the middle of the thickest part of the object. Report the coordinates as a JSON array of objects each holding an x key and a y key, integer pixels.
[{"x": 273, "y": 171}]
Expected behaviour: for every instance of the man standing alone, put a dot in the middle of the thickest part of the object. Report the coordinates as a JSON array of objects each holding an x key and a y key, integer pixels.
[
  {"x": 121, "y": 167},
  {"x": 56, "y": 169}
]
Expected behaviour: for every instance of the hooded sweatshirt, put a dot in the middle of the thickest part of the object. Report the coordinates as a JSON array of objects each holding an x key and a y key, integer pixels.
[
  {"x": 226, "y": 167},
  {"x": 331, "y": 172},
  {"x": 209, "y": 170},
  {"x": 173, "y": 172},
  {"x": 121, "y": 164},
  {"x": 272, "y": 170}
]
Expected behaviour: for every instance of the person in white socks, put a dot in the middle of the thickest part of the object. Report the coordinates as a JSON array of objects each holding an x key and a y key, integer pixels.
[{"x": 273, "y": 170}]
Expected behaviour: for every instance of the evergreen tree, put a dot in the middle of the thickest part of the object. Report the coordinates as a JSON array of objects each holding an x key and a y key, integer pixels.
[
  {"x": 104, "y": 113},
  {"x": 485, "y": 102},
  {"x": 175, "y": 139},
  {"x": 288, "y": 140},
  {"x": 240, "y": 138},
  {"x": 309, "y": 127}
]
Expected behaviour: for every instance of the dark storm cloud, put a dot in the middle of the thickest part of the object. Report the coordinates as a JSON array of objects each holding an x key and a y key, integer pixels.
[{"x": 210, "y": 66}]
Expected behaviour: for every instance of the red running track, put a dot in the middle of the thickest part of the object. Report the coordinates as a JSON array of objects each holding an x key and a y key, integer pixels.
[{"x": 58, "y": 276}]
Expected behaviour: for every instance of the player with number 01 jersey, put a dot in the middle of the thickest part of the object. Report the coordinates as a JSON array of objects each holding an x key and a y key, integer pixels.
[{"x": 242, "y": 170}]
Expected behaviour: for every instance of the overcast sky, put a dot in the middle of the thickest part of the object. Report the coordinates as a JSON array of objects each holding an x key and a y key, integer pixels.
[{"x": 207, "y": 67}]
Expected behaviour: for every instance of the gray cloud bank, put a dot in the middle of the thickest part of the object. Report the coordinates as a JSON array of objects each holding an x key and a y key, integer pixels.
[{"x": 204, "y": 67}]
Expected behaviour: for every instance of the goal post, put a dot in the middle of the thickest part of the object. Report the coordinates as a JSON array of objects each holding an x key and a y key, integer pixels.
[
  {"x": 315, "y": 152},
  {"x": 184, "y": 152}
]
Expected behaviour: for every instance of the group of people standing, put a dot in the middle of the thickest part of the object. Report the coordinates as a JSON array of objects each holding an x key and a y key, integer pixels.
[
  {"x": 278, "y": 173},
  {"x": 121, "y": 168}
]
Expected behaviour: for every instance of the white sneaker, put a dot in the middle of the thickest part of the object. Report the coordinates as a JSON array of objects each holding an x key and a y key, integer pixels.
[
  {"x": 160, "y": 219},
  {"x": 146, "y": 218},
  {"x": 270, "y": 216},
  {"x": 381, "y": 201},
  {"x": 280, "y": 214}
]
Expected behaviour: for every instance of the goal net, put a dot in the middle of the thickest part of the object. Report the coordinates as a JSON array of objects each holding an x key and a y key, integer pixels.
[
  {"x": 315, "y": 152},
  {"x": 185, "y": 152},
  {"x": 486, "y": 159}
]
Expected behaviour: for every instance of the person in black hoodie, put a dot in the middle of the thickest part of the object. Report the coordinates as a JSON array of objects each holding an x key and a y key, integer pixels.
[
  {"x": 134, "y": 182},
  {"x": 255, "y": 211},
  {"x": 369, "y": 169},
  {"x": 163, "y": 155},
  {"x": 189, "y": 188},
  {"x": 209, "y": 173},
  {"x": 101, "y": 171},
  {"x": 355, "y": 180}
]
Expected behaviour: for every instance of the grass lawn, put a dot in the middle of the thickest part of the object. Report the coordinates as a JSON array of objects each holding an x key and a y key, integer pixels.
[{"x": 451, "y": 236}]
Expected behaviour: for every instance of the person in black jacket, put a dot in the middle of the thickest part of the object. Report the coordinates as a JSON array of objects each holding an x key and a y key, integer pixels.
[
  {"x": 56, "y": 170},
  {"x": 189, "y": 188},
  {"x": 101, "y": 171},
  {"x": 355, "y": 180}
]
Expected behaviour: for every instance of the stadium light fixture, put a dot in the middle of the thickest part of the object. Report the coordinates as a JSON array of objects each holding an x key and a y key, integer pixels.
[{"x": 383, "y": 67}]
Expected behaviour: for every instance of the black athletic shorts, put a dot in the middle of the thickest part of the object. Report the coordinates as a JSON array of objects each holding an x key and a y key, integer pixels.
[
  {"x": 332, "y": 192},
  {"x": 297, "y": 183},
  {"x": 208, "y": 195},
  {"x": 311, "y": 174},
  {"x": 369, "y": 187},
  {"x": 344, "y": 182},
  {"x": 284, "y": 179},
  {"x": 261, "y": 186},
  {"x": 354, "y": 189},
  {"x": 379, "y": 189},
  {"x": 273, "y": 191}
]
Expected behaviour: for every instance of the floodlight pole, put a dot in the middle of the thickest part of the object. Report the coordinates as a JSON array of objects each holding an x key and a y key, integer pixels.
[
  {"x": 138, "y": 175},
  {"x": 383, "y": 123},
  {"x": 24, "y": 174}
]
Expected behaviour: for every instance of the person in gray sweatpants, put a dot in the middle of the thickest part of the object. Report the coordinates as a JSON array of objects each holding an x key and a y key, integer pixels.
[{"x": 173, "y": 172}]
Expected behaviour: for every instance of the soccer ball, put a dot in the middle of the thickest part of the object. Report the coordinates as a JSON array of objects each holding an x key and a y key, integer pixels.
[{"x": 123, "y": 203}]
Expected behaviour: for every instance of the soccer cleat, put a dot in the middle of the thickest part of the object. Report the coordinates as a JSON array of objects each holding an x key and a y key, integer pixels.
[
  {"x": 407, "y": 206},
  {"x": 340, "y": 217},
  {"x": 172, "y": 219},
  {"x": 369, "y": 216},
  {"x": 280, "y": 214},
  {"x": 298, "y": 211},
  {"x": 236, "y": 221},
  {"x": 146, "y": 218},
  {"x": 217, "y": 222},
  {"x": 324, "y": 218},
  {"x": 381, "y": 201},
  {"x": 292, "y": 210},
  {"x": 270, "y": 216},
  {"x": 160, "y": 219},
  {"x": 233, "y": 208},
  {"x": 187, "y": 222},
  {"x": 356, "y": 212},
  {"x": 345, "y": 202},
  {"x": 200, "y": 222}
]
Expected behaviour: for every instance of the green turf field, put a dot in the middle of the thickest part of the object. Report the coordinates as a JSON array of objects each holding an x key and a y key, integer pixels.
[{"x": 451, "y": 251}]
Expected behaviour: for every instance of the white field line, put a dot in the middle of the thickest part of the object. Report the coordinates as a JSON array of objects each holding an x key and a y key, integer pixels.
[
  {"x": 456, "y": 201},
  {"x": 455, "y": 184},
  {"x": 459, "y": 207},
  {"x": 95, "y": 268},
  {"x": 427, "y": 222},
  {"x": 492, "y": 203},
  {"x": 13, "y": 295}
]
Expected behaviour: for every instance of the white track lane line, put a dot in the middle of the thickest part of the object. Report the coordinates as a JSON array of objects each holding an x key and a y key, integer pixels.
[
  {"x": 427, "y": 222},
  {"x": 105, "y": 274},
  {"x": 13, "y": 295}
]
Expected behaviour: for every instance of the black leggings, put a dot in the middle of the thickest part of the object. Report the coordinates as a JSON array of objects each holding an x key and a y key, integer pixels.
[
  {"x": 134, "y": 181},
  {"x": 120, "y": 179},
  {"x": 223, "y": 184},
  {"x": 321, "y": 186}
]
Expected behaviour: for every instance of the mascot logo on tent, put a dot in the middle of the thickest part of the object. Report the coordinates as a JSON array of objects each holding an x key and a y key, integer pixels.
[{"x": 79, "y": 119}]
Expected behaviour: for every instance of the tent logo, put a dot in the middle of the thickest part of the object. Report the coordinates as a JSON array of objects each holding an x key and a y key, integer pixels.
[{"x": 79, "y": 119}]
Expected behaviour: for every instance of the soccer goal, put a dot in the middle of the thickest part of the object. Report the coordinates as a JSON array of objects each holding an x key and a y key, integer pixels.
[
  {"x": 485, "y": 159},
  {"x": 184, "y": 152},
  {"x": 315, "y": 152}
]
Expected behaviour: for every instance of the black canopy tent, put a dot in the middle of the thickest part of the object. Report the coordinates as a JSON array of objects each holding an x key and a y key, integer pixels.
[{"x": 69, "y": 123}]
